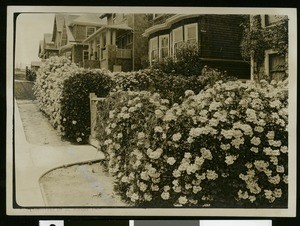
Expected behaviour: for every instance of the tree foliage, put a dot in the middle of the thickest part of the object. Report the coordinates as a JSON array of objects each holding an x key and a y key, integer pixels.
[{"x": 256, "y": 39}]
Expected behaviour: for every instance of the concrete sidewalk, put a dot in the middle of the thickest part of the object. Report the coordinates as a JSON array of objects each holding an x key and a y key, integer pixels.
[{"x": 32, "y": 161}]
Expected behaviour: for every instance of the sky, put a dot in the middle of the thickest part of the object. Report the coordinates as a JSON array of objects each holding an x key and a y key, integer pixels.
[{"x": 30, "y": 29}]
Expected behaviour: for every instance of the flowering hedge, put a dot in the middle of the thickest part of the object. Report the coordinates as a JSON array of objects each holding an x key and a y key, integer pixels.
[
  {"x": 49, "y": 85},
  {"x": 225, "y": 147},
  {"x": 171, "y": 87},
  {"x": 62, "y": 91}
]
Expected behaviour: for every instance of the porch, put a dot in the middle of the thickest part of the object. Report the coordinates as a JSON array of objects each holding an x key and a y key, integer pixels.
[{"x": 109, "y": 47}]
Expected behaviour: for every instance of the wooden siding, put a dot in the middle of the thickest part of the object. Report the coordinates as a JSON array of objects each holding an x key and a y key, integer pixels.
[{"x": 222, "y": 36}]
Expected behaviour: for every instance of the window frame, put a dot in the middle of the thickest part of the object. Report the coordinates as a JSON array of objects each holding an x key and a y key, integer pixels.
[
  {"x": 88, "y": 55},
  {"x": 186, "y": 27},
  {"x": 86, "y": 31},
  {"x": 151, "y": 49},
  {"x": 160, "y": 46},
  {"x": 173, "y": 37},
  {"x": 263, "y": 20},
  {"x": 267, "y": 60}
]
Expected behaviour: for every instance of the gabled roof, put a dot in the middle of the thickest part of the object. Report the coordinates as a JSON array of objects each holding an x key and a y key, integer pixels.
[
  {"x": 89, "y": 19},
  {"x": 70, "y": 18},
  {"x": 113, "y": 27},
  {"x": 48, "y": 44},
  {"x": 48, "y": 38},
  {"x": 59, "y": 19}
]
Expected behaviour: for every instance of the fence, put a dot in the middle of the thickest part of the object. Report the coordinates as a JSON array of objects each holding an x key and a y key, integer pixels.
[{"x": 93, "y": 109}]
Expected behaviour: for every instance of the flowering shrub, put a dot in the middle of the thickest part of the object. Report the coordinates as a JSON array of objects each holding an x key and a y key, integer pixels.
[
  {"x": 125, "y": 131},
  {"x": 62, "y": 91},
  {"x": 225, "y": 147},
  {"x": 49, "y": 85}
]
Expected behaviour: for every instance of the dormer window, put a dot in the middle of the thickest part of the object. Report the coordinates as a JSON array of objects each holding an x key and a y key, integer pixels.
[{"x": 90, "y": 31}]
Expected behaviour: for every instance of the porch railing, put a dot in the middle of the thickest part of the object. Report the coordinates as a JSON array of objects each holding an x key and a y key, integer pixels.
[{"x": 124, "y": 53}]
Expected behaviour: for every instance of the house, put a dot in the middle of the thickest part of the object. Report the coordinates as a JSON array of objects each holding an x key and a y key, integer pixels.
[
  {"x": 35, "y": 65},
  {"x": 118, "y": 45},
  {"x": 47, "y": 47},
  {"x": 218, "y": 37},
  {"x": 274, "y": 65},
  {"x": 70, "y": 30}
]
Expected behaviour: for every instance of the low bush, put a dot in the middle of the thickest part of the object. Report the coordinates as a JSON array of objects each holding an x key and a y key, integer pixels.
[
  {"x": 30, "y": 74},
  {"x": 187, "y": 61},
  {"x": 224, "y": 147}
]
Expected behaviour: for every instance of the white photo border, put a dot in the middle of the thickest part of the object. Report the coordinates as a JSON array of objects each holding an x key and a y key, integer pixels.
[{"x": 292, "y": 60}]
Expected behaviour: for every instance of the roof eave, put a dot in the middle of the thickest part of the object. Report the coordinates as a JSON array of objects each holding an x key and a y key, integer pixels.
[{"x": 167, "y": 24}]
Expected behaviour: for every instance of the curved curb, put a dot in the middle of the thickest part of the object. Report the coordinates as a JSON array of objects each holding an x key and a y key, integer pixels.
[{"x": 63, "y": 166}]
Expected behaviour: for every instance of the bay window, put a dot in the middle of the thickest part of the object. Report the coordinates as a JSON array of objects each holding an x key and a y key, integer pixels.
[
  {"x": 163, "y": 46},
  {"x": 191, "y": 33},
  {"x": 153, "y": 53},
  {"x": 177, "y": 39}
]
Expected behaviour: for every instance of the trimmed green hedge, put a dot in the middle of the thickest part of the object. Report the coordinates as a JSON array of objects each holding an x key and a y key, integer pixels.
[{"x": 75, "y": 104}]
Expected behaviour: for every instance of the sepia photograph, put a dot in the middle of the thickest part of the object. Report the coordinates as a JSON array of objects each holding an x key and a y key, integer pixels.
[{"x": 151, "y": 111}]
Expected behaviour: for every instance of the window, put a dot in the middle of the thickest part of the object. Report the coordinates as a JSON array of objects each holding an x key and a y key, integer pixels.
[
  {"x": 163, "y": 46},
  {"x": 85, "y": 55},
  {"x": 90, "y": 31},
  {"x": 275, "y": 65},
  {"x": 153, "y": 53},
  {"x": 129, "y": 38},
  {"x": 191, "y": 33},
  {"x": 177, "y": 39},
  {"x": 272, "y": 19}
]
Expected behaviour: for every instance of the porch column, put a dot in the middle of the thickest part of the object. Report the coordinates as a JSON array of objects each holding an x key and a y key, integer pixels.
[
  {"x": 94, "y": 49},
  {"x": 90, "y": 50},
  {"x": 100, "y": 45},
  {"x": 108, "y": 37},
  {"x": 114, "y": 37}
]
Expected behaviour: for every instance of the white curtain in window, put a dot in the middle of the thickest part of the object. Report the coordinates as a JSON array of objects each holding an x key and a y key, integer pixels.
[
  {"x": 153, "y": 49},
  {"x": 163, "y": 46},
  {"x": 177, "y": 38},
  {"x": 191, "y": 33}
]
